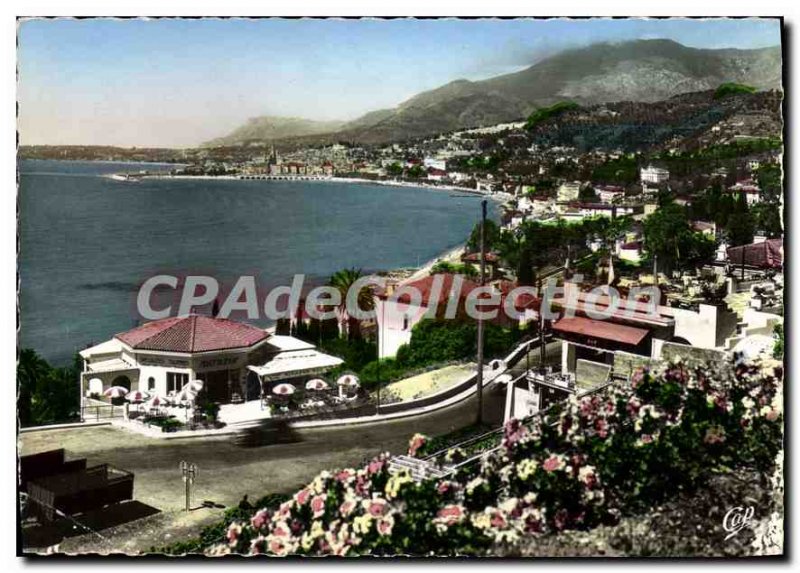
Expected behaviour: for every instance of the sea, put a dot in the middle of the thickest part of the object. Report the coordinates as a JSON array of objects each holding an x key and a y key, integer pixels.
[{"x": 87, "y": 241}]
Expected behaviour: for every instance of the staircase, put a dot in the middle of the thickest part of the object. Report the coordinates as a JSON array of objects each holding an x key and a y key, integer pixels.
[{"x": 418, "y": 469}]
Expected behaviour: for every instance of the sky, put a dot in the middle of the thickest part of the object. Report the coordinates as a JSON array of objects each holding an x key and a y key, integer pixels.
[{"x": 180, "y": 82}]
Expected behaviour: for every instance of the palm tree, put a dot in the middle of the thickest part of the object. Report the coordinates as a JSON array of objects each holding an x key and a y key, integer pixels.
[
  {"x": 342, "y": 281},
  {"x": 32, "y": 373}
]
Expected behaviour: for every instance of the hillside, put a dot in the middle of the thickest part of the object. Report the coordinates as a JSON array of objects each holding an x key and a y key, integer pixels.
[
  {"x": 270, "y": 128},
  {"x": 638, "y": 71},
  {"x": 686, "y": 120}
]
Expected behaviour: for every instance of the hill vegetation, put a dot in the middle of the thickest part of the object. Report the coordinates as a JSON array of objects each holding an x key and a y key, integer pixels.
[
  {"x": 732, "y": 88},
  {"x": 636, "y": 71}
]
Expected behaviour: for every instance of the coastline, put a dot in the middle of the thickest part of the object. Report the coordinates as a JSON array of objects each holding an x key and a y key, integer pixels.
[{"x": 500, "y": 197}]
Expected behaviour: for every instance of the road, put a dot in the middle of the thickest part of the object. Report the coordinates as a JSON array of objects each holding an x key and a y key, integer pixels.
[{"x": 227, "y": 471}]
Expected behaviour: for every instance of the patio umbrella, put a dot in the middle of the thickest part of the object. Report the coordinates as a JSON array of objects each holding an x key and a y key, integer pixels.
[
  {"x": 137, "y": 396},
  {"x": 283, "y": 389},
  {"x": 348, "y": 380},
  {"x": 195, "y": 385},
  {"x": 157, "y": 401},
  {"x": 186, "y": 395},
  {"x": 116, "y": 392},
  {"x": 317, "y": 384}
]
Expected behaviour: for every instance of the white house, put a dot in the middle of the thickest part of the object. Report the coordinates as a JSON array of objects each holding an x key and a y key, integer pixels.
[
  {"x": 397, "y": 312},
  {"x": 434, "y": 163},
  {"x": 655, "y": 175},
  {"x": 162, "y": 356},
  {"x": 609, "y": 193},
  {"x": 569, "y": 191}
]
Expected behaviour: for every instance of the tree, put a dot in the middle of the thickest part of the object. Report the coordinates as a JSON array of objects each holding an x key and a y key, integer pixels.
[
  {"x": 394, "y": 169},
  {"x": 47, "y": 395},
  {"x": 740, "y": 227},
  {"x": 587, "y": 194},
  {"x": 492, "y": 237},
  {"x": 342, "y": 281},
  {"x": 667, "y": 235},
  {"x": 767, "y": 219}
]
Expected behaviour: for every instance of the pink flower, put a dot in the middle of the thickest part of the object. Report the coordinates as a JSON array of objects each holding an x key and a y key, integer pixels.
[
  {"x": 345, "y": 475},
  {"x": 257, "y": 545},
  {"x": 281, "y": 530},
  {"x": 772, "y": 415},
  {"x": 362, "y": 485},
  {"x": 498, "y": 520},
  {"x": 450, "y": 514},
  {"x": 347, "y": 507},
  {"x": 553, "y": 463},
  {"x": 601, "y": 426},
  {"x": 375, "y": 466},
  {"x": 416, "y": 442},
  {"x": 318, "y": 505},
  {"x": 301, "y": 497},
  {"x": 513, "y": 431},
  {"x": 279, "y": 547},
  {"x": 376, "y": 507},
  {"x": 633, "y": 407},
  {"x": 646, "y": 439},
  {"x": 234, "y": 530},
  {"x": 385, "y": 525},
  {"x": 260, "y": 519}
]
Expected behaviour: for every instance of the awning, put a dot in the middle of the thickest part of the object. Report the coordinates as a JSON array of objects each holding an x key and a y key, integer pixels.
[
  {"x": 766, "y": 254},
  {"x": 600, "y": 329},
  {"x": 297, "y": 363},
  {"x": 112, "y": 365}
]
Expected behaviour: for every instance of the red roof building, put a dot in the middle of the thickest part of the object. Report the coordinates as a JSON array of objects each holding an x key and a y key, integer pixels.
[{"x": 193, "y": 333}]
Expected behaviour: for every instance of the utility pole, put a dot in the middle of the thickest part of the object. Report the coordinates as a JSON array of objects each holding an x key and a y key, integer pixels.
[
  {"x": 189, "y": 472},
  {"x": 379, "y": 346},
  {"x": 479, "y": 417},
  {"x": 542, "y": 349}
]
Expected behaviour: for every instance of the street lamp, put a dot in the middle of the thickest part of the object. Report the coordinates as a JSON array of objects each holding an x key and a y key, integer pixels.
[{"x": 189, "y": 472}]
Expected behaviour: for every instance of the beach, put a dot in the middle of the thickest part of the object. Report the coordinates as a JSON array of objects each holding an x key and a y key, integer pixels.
[{"x": 499, "y": 196}]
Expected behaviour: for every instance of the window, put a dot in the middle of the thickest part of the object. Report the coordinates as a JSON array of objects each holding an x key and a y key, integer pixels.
[
  {"x": 176, "y": 381},
  {"x": 151, "y": 383}
]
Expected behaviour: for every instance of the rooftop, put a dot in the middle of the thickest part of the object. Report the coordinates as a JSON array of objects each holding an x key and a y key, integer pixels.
[{"x": 193, "y": 333}]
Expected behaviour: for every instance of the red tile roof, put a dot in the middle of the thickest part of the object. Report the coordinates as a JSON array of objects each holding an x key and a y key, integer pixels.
[
  {"x": 425, "y": 287},
  {"x": 601, "y": 329},
  {"x": 192, "y": 333}
]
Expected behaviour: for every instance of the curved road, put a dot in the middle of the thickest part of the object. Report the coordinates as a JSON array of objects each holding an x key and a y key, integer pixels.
[{"x": 227, "y": 471}]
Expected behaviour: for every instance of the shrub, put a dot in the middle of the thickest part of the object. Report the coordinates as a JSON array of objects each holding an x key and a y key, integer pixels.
[{"x": 583, "y": 464}]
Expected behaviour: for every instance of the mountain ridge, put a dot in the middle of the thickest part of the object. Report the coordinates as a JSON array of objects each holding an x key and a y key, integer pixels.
[{"x": 637, "y": 70}]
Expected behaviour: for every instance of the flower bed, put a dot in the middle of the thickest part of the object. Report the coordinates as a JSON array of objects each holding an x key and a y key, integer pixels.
[{"x": 584, "y": 464}]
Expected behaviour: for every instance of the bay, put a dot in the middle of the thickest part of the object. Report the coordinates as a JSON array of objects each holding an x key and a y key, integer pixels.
[{"x": 87, "y": 242}]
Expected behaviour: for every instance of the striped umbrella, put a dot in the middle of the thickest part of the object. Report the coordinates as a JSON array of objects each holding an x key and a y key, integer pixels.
[
  {"x": 317, "y": 384},
  {"x": 348, "y": 380},
  {"x": 116, "y": 392},
  {"x": 157, "y": 401},
  {"x": 186, "y": 395},
  {"x": 137, "y": 396},
  {"x": 283, "y": 389}
]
